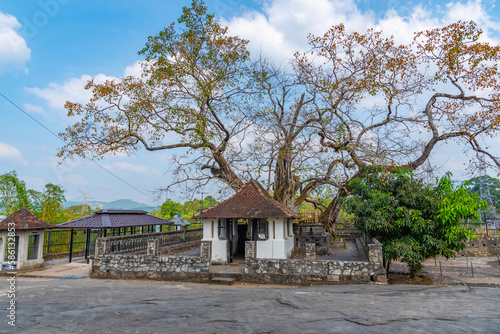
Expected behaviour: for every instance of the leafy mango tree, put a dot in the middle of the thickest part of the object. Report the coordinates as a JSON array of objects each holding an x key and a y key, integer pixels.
[{"x": 412, "y": 220}]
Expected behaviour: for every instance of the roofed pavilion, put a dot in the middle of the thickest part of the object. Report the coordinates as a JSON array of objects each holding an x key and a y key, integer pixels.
[
  {"x": 249, "y": 215},
  {"x": 114, "y": 222}
]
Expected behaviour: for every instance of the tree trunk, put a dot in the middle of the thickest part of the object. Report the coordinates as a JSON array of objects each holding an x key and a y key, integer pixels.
[
  {"x": 284, "y": 186},
  {"x": 331, "y": 213},
  {"x": 225, "y": 173}
]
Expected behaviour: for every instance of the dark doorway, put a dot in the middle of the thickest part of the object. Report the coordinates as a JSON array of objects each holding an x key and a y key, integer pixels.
[{"x": 242, "y": 237}]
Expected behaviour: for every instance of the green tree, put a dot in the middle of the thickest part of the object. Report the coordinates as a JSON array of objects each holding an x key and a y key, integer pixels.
[
  {"x": 169, "y": 209},
  {"x": 14, "y": 194},
  {"x": 46, "y": 205},
  {"x": 493, "y": 185},
  {"x": 78, "y": 211},
  {"x": 412, "y": 220},
  {"x": 50, "y": 205}
]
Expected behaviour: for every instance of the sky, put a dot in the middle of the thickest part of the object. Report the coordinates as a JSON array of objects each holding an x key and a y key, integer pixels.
[{"x": 50, "y": 48}]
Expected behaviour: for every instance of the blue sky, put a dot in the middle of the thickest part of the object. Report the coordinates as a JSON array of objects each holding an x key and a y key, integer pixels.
[{"x": 49, "y": 48}]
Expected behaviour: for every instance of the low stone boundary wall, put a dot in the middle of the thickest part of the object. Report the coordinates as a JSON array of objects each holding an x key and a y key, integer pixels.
[
  {"x": 484, "y": 246},
  {"x": 295, "y": 271},
  {"x": 168, "y": 268},
  {"x": 373, "y": 248}
]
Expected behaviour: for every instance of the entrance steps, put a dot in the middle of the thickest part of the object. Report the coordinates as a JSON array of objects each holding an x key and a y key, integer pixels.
[
  {"x": 226, "y": 274},
  {"x": 222, "y": 281}
]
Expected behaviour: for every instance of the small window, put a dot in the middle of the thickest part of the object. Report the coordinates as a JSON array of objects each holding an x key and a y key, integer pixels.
[
  {"x": 289, "y": 228},
  {"x": 221, "y": 227},
  {"x": 33, "y": 242},
  {"x": 260, "y": 229}
]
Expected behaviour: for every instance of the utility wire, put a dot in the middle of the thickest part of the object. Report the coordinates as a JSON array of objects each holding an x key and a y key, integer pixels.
[{"x": 55, "y": 135}]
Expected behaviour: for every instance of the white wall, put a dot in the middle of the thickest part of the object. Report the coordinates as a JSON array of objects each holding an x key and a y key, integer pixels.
[
  {"x": 219, "y": 247},
  {"x": 22, "y": 256},
  {"x": 278, "y": 246}
]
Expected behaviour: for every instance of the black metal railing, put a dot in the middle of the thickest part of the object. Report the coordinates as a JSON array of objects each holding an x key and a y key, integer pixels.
[{"x": 139, "y": 242}]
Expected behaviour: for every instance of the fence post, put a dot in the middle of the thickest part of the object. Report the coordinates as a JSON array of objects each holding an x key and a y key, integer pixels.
[
  {"x": 101, "y": 247},
  {"x": 250, "y": 250},
  {"x": 48, "y": 242},
  {"x": 310, "y": 251},
  {"x": 153, "y": 247},
  {"x": 206, "y": 250}
]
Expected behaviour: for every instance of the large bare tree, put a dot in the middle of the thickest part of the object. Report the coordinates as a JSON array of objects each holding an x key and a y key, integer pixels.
[
  {"x": 391, "y": 105},
  {"x": 353, "y": 100}
]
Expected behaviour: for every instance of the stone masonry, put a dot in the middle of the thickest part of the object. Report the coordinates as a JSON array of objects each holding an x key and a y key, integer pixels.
[
  {"x": 125, "y": 266},
  {"x": 295, "y": 271},
  {"x": 250, "y": 251},
  {"x": 373, "y": 248},
  {"x": 311, "y": 251},
  {"x": 206, "y": 250},
  {"x": 485, "y": 246}
]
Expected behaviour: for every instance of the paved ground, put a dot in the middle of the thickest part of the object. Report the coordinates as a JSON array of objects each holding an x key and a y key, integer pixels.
[
  {"x": 99, "y": 306},
  {"x": 60, "y": 268}
]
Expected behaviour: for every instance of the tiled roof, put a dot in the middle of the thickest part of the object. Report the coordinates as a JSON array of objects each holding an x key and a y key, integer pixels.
[
  {"x": 251, "y": 201},
  {"x": 24, "y": 220},
  {"x": 115, "y": 218}
]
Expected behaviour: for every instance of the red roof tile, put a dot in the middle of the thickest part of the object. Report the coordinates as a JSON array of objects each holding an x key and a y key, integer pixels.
[
  {"x": 24, "y": 220},
  {"x": 115, "y": 218},
  {"x": 251, "y": 201}
]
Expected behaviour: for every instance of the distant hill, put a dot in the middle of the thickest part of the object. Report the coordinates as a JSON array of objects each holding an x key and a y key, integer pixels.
[{"x": 123, "y": 204}]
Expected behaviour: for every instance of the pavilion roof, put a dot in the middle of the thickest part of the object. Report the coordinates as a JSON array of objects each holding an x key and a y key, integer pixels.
[
  {"x": 24, "y": 219},
  {"x": 251, "y": 201},
  {"x": 114, "y": 219}
]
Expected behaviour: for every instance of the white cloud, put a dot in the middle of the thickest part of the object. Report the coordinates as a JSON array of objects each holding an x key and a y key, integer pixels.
[
  {"x": 72, "y": 90},
  {"x": 128, "y": 167},
  {"x": 134, "y": 69},
  {"x": 14, "y": 52},
  {"x": 11, "y": 154},
  {"x": 74, "y": 179},
  {"x": 282, "y": 27},
  {"x": 33, "y": 108},
  {"x": 36, "y": 183}
]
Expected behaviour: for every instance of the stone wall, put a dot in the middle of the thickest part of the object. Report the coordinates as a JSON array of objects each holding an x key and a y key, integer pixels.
[
  {"x": 485, "y": 246},
  {"x": 306, "y": 233},
  {"x": 206, "y": 251},
  {"x": 286, "y": 271},
  {"x": 373, "y": 248},
  {"x": 168, "y": 268}
]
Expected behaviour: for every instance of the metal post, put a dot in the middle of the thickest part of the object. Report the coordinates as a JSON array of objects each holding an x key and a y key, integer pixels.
[
  {"x": 48, "y": 242},
  {"x": 440, "y": 269},
  {"x": 87, "y": 244},
  {"x": 71, "y": 246},
  {"x": 485, "y": 222}
]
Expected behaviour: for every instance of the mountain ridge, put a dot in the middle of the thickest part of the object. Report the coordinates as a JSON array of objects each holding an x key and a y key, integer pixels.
[{"x": 120, "y": 204}]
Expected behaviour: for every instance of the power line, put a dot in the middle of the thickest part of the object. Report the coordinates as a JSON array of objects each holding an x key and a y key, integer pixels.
[{"x": 95, "y": 163}]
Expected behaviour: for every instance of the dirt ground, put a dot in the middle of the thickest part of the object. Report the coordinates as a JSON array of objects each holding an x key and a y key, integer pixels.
[{"x": 440, "y": 271}]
